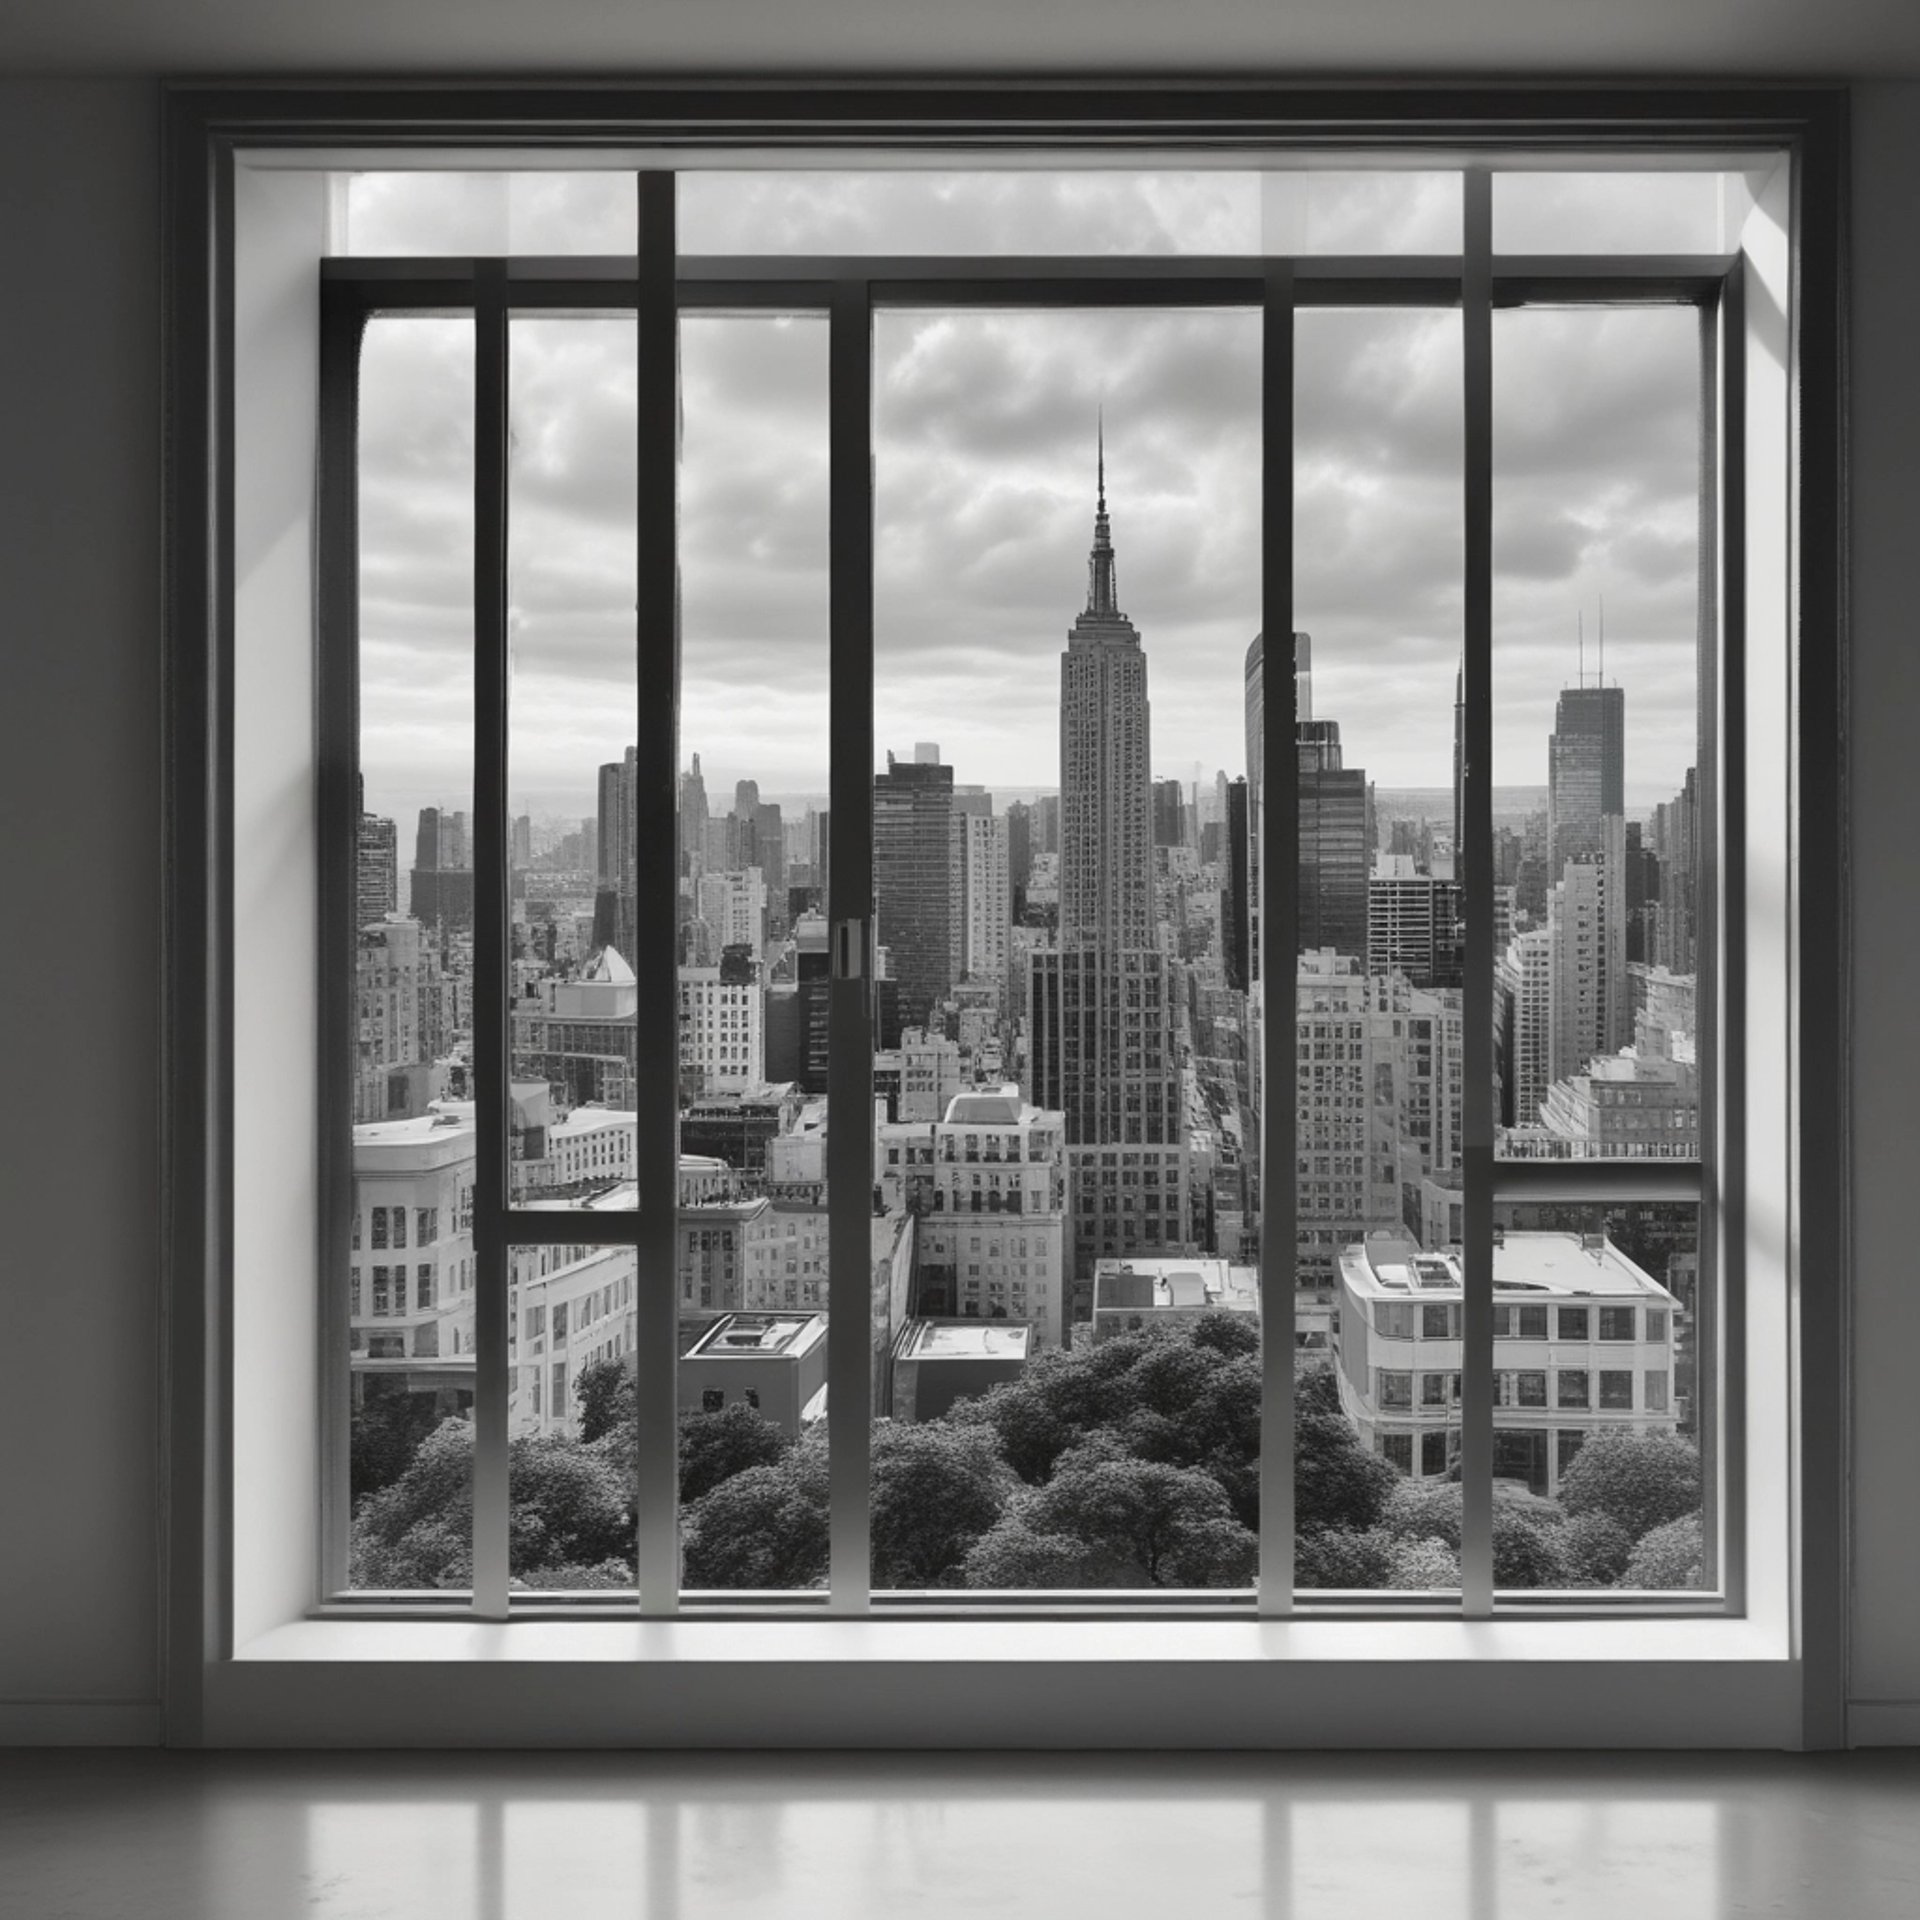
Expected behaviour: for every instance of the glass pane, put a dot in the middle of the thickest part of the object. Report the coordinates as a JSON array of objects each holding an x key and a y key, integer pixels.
[
  {"x": 1597, "y": 1458},
  {"x": 1560, "y": 213},
  {"x": 1061, "y": 632},
  {"x": 423, "y": 214},
  {"x": 1377, "y": 980},
  {"x": 574, "y": 876},
  {"x": 753, "y": 946},
  {"x": 1596, "y": 624},
  {"x": 411, "y": 1260},
  {"x": 1080, "y": 212}
]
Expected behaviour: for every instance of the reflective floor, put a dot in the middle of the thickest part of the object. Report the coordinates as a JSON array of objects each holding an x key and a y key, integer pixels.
[{"x": 702, "y": 1837}]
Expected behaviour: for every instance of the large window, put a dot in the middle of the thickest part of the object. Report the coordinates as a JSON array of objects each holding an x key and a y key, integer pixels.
[{"x": 906, "y": 1098}]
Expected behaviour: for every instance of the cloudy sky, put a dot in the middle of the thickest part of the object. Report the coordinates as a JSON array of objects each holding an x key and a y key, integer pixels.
[{"x": 984, "y": 426}]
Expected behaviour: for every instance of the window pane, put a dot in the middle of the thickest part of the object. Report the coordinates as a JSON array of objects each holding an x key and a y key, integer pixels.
[
  {"x": 1602, "y": 1487},
  {"x": 422, "y": 214},
  {"x": 573, "y": 870},
  {"x": 1059, "y": 679},
  {"x": 411, "y": 1276},
  {"x": 752, "y": 906},
  {"x": 1597, "y": 607},
  {"x": 1561, "y": 213},
  {"x": 1082, "y": 211},
  {"x": 1377, "y": 983}
]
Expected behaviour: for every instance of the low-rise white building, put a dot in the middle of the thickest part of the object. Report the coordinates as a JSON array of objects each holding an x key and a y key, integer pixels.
[{"x": 1584, "y": 1340}]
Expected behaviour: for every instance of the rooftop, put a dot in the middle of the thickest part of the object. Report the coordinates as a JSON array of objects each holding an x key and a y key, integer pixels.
[
  {"x": 964, "y": 1340},
  {"x": 1387, "y": 1266},
  {"x": 760, "y": 1336},
  {"x": 1188, "y": 1283}
]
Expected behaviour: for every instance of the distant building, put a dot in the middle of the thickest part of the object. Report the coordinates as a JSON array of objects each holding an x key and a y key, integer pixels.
[
  {"x": 939, "y": 1362},
  {"x": 1132, "y": 1296},
  {"x": 376, "y": 870},
  {"x": 1415, "y": 925},
  {"x": 775, "y": 1363},
  {"x": 404, "y": 1020},
  {"x": 1586, "y": 774},
  {"x": 723, "y": 1045},
  {"x": 913, "y": 881},
  {"x": 991, "y": 1202}
]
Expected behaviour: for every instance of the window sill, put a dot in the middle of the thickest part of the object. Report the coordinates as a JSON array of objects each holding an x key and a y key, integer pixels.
[{"x": 865, "y": 1643}]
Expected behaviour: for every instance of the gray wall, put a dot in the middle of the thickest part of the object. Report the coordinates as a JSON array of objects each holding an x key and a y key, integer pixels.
[
  {"x": 80, "y": 881},
  {"x": 80, "y": 748}
]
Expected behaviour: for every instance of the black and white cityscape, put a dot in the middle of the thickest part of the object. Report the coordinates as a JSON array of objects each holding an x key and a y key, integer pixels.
[{"x": 1068, "y": 830}]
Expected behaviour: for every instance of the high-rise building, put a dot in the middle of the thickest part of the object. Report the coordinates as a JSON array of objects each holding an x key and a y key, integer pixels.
[
  {"x": 1523, "y": 977},
  {"x": 1586, "y": 773},
  {"x": 733, "y": 910},
  {"x": 1019, "y": 819},
  {"x": 1169, "y": 814},
  {"x": 913, "y": 881},
  {"x": 1235, "y": 907},
  {"x": 1414, "y": 924},
  {"x": 692, "y": 822},
  {"x": 1102, "y": 1005},
  {"x": 1589, "y": 1009},
  {"x": 1336, "y": 844},
  {"x": 1676, "y": 847},
  {"x": 985, "y": 910},
  {"x": 376, "y": 871},
  {"x": 440, "y": 891},
  {"x": 616, "y": 876}
]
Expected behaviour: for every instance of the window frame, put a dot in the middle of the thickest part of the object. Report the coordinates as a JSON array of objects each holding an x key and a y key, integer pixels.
[{"x": 209, "y": 128}]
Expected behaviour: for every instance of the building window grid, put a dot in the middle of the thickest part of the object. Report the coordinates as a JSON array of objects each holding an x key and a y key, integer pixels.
[{"x": 1696, "y": 282}]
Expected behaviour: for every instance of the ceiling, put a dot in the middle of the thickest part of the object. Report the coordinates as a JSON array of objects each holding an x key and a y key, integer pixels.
[{"x": 1731, "y": 38}]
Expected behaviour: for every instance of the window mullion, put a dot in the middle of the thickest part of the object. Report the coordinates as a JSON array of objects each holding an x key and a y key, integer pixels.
[
  {"x": 1279, "y": 832},
  {"x": 850, "y": 915},
  {"x": 1478, "y": 1116},
  {"x": 656, "y": 882},
  {"x": 491, "y": 934}
]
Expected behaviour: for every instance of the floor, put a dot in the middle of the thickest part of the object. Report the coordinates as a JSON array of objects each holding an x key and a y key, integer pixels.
[{"x": 850, "y": 1837}]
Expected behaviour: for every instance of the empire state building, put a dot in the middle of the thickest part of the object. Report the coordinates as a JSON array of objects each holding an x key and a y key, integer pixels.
[{"x": 1105, "y": 1049}]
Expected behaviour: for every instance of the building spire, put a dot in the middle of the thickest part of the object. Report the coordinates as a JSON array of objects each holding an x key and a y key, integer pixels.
[{"x": 1101, "y": 594}]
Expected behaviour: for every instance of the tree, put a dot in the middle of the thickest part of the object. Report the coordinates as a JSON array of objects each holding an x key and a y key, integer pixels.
[
  {"x": 1667, "y": 1558},
  {"x": 388, "y": 1427},
  {"x": 604, "y": 1392},
  {"x": 764, "y": 1528},
  {"x": 935, "y": 1490},
  {"x": 568, "y": 1507},
  {"x": 1642, "y": 1480},
  {"x": 1336, "y": 1482},
  {"x": 716, "y": 1446},
  {"x": 1136, "y": 1523}
]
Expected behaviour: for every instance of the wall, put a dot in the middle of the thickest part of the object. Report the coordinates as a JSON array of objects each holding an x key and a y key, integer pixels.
[
  {"x": 1886, "y": 917},
  {"x": 80, "y": 878},
  {"x": 79, "y": 872}
]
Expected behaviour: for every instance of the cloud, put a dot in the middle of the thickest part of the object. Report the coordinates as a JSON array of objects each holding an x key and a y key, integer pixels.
[{"x": 984, "y": 480}]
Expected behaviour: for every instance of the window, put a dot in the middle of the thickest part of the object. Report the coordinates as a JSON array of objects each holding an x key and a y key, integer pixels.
[
  {"x": 1656, "y": 1390},
  {"x": 1570, "y": 1387},
  {"x": 1574, "y": 1322},
  {"x": 1616, "y": 1390},
  {"x": 1530, "y": 1323},
  {"x": 1616, "y": 1323},
  {"x": 1395, "y": 1391},
  {"x": 1356, "y": 1189},
  {"x": 712, "y": 1399}
]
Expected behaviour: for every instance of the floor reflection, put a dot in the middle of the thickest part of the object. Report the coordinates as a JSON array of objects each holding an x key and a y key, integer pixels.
[{"x": 709, "y": 1837}]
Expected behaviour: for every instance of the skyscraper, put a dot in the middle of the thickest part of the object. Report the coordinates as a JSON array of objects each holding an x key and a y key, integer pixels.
[
  {"x": 1104, "y": 1049},
  {"x": 376, "y": 869},
  {"x": 616, "y": 877},
  {"x": 913, "y": 880},
  {"x": 1336, "y": 844},
  {"x": 1586, "y": 769}
]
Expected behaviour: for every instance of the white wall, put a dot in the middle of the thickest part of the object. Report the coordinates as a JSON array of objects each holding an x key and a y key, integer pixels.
[
  {"x": 1886, "y": 920},
  {"x": 80, "y": 760},
  {"x": 80, "y": 747}
]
